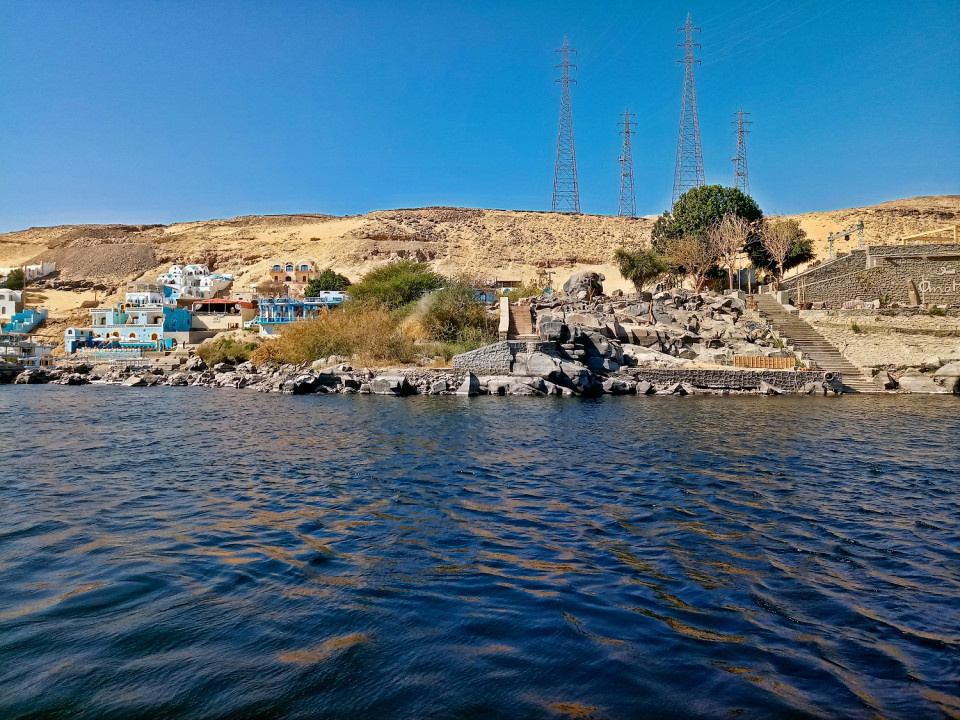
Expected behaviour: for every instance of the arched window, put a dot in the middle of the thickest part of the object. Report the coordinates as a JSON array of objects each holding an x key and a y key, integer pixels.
[
  {"x": 153, "y": 336},
  {"x": 289, "y": 268}
]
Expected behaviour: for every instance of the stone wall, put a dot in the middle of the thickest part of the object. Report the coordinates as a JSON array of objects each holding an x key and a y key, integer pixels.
[
  {"x": 497, "y": 358},
  {"x": 735, "y": 380},
  {"x": 885, "y": 272}
]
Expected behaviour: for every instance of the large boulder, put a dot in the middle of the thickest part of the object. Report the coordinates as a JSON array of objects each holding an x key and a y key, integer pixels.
[
  {"x": 913, "y": 381},
  {"x": 589, "y": 282},
  {"x": 32, "y": 376},
  {"x": 470, "y": 386},
  {"x": 390, "y": 385},
  {"x": 948, "y": 377}
]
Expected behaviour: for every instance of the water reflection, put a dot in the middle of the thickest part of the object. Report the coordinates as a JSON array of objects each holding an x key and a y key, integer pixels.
[{"x": 264, "y": 556}]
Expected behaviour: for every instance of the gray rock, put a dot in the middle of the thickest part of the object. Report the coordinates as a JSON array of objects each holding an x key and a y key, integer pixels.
[
  {"x": 584, "y": 320},
  {"x": 948, "y": 377},
  {"x": 438, "y": 387},
  {"x": 590, "y": 283},
  {"x": 390, "y": 385},
  {"x": 884, "y": 380},
  {"x": 645, "y": 388},
  {"x": 134, "y": 381},
  {"x": 470, "y": 386},
  {"x": 912, "y": 381},
  {"x": 768, "y": 389}
]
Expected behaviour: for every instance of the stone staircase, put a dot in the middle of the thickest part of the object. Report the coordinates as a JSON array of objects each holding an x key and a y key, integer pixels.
[
  {"x": 521, "y": 323},
  {"x": 801, "y": 336}
]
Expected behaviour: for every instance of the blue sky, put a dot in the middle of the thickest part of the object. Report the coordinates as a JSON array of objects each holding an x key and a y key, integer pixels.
[{"x": 169, "y": 111}]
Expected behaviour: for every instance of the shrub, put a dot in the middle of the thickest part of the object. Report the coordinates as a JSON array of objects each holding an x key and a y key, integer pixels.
[
  {"x": 396, "y": 284},
  {"x": 856, "y": 328},
  {"x": 370, "y": 333},
  {"x": 328, "y": 280},
  {"x": 452, "y": 314},
  {"x": 639, "y": 266},
  {"x": 524, "y": 290},
  {"x": 936, "y": 311},
  {"x": 16, "y": 280},
  {"x": 226, "y": 350}
]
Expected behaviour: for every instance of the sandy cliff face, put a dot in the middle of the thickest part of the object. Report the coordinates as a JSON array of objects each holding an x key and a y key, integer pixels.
[{"x": 478, "y": 243}]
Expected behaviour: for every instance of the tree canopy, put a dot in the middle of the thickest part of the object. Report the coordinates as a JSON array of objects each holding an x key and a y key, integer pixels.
[
  {"x": 639, "y": 266},
  {"x": 698, "y": 209},
  {"x": 16, "y": 280},
  {"x": 328, "y": 280},
  {"x": 800, "y": 250}
]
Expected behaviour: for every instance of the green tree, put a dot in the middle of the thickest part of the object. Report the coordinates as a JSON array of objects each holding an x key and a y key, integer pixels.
[
  {"x": 699, "y": 209},
  {"x": 328, "y": 280},
  {"x": 16, "y": 280},
  {"x": 639, "y": 266},
  {"x": 396, "y": 284}
]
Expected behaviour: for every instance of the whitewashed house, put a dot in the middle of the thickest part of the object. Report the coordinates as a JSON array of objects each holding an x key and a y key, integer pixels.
[{"x": 195, "y": 281}]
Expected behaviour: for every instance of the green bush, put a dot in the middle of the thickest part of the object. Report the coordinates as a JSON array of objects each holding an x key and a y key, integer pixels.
[
  {"x": 453, "y": 314},
  {"x": 226, "y": 350},
  {"x": 524, "y": 290},
  {"x": 856, "y": 328},
  {"x": 327, "y": 281},
  {"x": 16, "y": 280},
  {"x": 639, "y": 266},
  {"x": 936, "y": 311},
  {"x": 396, "y": 284}
]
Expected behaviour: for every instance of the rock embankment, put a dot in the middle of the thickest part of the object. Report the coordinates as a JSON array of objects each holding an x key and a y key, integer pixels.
[{"x": 341, "y": 378}]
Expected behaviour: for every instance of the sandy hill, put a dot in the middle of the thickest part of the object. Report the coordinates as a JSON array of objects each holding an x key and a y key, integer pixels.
[{"x": 502, "y": 244}]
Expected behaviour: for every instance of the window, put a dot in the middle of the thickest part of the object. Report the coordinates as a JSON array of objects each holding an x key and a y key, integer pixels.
[
  {"x": 289, "y": 268},
  {"x": 305, "y": 268}
]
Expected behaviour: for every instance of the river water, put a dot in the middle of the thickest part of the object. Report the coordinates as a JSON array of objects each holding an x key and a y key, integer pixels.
[{"x": 182, "y": 552}]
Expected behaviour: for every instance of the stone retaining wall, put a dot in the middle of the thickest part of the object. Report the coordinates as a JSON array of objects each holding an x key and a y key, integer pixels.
[
  {"x": 734, "y": 380},
  {"x": 885, "y": 272}
]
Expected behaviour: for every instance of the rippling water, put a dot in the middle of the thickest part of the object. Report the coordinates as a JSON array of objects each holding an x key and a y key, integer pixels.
[{"x": 179, "y": 552}]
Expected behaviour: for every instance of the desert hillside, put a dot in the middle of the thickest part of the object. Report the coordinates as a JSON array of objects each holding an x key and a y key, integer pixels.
[{"x": 478, "y": 243}]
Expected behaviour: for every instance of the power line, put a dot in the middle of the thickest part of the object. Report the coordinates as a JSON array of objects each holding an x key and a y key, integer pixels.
[
  {"x": 628, "y": 200},
  {"x": 566, "y": 193},
  {"x": 688, "y": 172}
]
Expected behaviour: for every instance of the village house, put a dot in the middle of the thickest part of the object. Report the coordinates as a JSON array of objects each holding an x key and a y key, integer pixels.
[
  {"x": 276, "y": 312},
  {"x": 25, "y": 321},
  {"x": 221, "y": 314},
  {"x": 301, "y": 271},
  {"x": 10, "y": 303},
  {"x": 194, "y": 281},
  {"x": 145, "y": 321},
  {"x": 21, "y": 350},
  {"x": 30, "y": 272}
]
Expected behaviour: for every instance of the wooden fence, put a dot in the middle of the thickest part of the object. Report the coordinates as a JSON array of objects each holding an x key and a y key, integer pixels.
[{"x": 765, "y": 363}]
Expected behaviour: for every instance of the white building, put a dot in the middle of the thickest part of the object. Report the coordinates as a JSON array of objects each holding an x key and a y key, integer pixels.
[
  {"x": 195, "y": 281},
  {"x": 11, "y": 302},
  {"x": 31, "y": 272}
]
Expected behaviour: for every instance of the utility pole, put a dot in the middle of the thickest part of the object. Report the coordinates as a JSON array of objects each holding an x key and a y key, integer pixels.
[
  {"x": 566, "y": 193},
  {"x": 689, "y": 168},
  {"x": 628, "y": 200},
  {"x": 740, "y": 180}
]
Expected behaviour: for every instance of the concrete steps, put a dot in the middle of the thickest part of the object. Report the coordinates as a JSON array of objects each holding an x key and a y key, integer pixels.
[
  {"x": 801, "y": 336},
  {"x": 521, "y": 323}
]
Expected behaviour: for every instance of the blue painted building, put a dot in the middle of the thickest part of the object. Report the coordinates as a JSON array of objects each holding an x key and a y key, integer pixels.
[
  {"x": 277, "y": 312},
  {"x": 25, "y": 321}
]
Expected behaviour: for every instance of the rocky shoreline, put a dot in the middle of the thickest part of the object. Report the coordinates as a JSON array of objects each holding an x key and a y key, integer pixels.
[{"x": 341, "y": 378}]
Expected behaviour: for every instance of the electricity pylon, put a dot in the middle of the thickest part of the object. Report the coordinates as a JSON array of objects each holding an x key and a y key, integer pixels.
[
  {"x": 566, "y": 193},
  {"x": 628, "y": 200},
  {"x": 689, "y": 168},
  {"x": 740, "y": 180}
]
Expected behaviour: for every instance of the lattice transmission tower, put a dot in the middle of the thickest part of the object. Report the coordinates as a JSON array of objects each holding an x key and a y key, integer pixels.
[
  {"x": 628, "y": 201},
  {"x": 689, "y": 169},
  {"x": 740, "y": 180},
  {"x": 566, "y": 193}
]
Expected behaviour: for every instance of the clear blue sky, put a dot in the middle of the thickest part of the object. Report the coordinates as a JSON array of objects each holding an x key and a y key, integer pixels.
[{"x": 165, "y": 111}]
